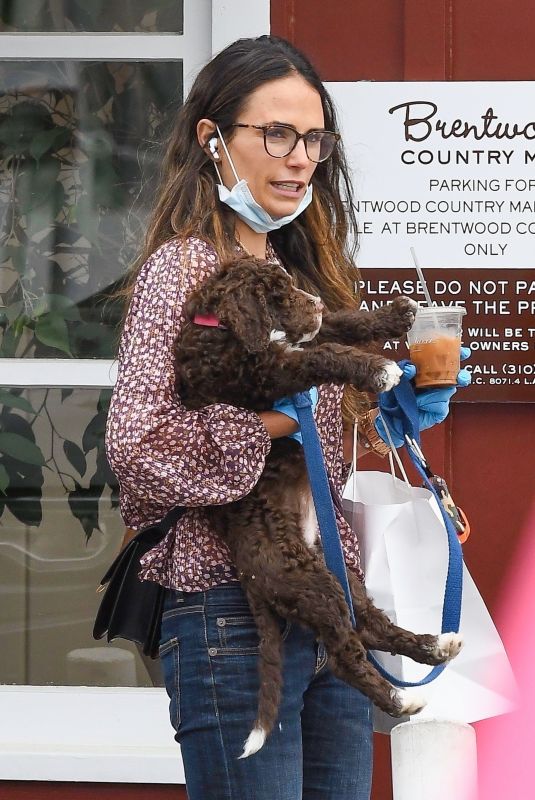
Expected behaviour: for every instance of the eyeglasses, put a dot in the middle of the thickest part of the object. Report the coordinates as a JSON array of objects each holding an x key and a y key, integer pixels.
[{"x": 280, "y": 140}]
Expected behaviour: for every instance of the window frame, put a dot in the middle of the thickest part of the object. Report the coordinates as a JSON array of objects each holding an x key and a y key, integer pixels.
[{"x": 104, "y": 734}]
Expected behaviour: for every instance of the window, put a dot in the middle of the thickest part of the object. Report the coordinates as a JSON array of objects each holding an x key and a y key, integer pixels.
[{"x": 87, "y": 88}]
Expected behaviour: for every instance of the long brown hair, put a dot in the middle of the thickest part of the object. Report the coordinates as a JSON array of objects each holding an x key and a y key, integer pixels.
[{"x": 319, "y": 246}]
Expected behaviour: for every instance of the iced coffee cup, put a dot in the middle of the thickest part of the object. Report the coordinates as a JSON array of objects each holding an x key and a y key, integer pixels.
[{"x": 435, "y": 345}]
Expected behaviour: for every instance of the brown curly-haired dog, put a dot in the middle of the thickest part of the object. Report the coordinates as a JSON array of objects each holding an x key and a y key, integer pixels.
[{"x": 251, "y": 338}]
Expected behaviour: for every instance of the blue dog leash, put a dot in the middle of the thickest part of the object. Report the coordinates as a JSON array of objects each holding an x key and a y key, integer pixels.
[
  {"x": 321, "y": 494},
  {"x": 408, "y": 414},
  {"x": 406, "y": 410}
]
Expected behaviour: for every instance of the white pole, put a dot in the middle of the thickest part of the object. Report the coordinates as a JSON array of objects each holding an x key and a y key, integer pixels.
[{"x": 434, "y": 760}]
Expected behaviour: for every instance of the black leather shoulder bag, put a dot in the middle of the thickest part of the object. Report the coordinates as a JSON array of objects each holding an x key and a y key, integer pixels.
[{"x": 131, "y": 608}]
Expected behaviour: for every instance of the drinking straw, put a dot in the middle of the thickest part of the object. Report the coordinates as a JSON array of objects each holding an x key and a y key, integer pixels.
[
  {"x": 420, "y": 272},
  {"x": 422, "y": 279}
]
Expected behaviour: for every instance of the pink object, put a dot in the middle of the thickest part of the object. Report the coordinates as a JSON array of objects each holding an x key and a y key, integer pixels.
[
  {"x": 505, "y": 760},
  {"x": 207, "y": 319}
]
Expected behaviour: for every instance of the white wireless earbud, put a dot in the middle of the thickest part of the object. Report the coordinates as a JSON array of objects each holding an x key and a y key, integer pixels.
[{"x": 212, "y": 145}]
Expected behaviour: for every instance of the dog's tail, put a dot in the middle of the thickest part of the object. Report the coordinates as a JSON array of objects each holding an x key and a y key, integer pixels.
[
  {"x": 270, "y": 673},
  {"x": 254, "y": 742}
]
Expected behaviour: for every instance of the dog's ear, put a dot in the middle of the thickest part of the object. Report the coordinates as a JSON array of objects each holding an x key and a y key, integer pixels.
[{"x": 245, "y": 312}]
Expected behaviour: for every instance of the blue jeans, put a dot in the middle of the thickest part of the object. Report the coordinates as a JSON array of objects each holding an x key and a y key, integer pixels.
[{"x": 321, "y": 747}]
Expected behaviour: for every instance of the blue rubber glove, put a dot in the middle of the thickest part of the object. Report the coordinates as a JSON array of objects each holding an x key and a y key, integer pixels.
[
  {"x": 433, "y": 404},
  {"x": 286, "y": 406}
]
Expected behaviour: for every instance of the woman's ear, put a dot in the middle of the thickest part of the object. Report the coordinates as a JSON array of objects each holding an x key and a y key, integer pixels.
[{"x": 206, "y": 130}]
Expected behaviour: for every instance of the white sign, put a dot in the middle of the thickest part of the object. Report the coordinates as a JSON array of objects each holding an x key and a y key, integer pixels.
[{"x": 446, "y": 168}]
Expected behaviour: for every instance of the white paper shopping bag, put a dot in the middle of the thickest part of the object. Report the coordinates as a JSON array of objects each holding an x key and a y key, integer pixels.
[{"x": 405, "y": 556}]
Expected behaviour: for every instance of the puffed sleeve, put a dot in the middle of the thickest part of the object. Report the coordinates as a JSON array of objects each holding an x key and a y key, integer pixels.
[{"x": 160, "y": 451}]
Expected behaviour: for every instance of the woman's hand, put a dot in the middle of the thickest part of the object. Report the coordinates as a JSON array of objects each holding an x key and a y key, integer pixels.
[
  {"x": 433, "y": 404},
  {"x": 286, "y": 406}
]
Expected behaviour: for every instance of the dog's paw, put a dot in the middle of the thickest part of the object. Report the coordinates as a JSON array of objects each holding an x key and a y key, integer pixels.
[
  {"x": 403, "y": 311},
  {"x": 406, "y": 308},
  {"x": 405, "y": 305},
  {"x": 448, "y": 645},
  {"x": 388, "y": 376},
  {"x": 408, "y": 701}
]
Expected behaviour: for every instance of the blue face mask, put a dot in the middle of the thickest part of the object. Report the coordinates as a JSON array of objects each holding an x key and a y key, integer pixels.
[{"x": 242, "y": 202}]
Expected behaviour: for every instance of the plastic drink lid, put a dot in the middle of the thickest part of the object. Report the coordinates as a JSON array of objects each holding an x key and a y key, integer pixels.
[{"x": 441, "y": 309}]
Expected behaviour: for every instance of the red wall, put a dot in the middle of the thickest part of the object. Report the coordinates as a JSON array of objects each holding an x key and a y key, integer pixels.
[{"x": 485, "y": 451}]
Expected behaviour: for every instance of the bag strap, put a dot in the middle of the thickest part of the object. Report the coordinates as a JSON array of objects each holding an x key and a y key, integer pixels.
[
  {"x": 162, "y": 527},
  {"x": 393, "y": 455},
  {"x": 407, "y": 411},
  {"x": 171, "y": 518}
]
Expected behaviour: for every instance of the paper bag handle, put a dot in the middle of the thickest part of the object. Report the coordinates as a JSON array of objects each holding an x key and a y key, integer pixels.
[{"x": 393, "y": 454}]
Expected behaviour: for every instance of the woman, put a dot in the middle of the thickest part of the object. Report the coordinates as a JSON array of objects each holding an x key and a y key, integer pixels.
[{"x": 254, "y": 151}]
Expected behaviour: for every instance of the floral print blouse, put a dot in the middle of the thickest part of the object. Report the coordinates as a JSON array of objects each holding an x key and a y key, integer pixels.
[{"x": 165, "y": 455}]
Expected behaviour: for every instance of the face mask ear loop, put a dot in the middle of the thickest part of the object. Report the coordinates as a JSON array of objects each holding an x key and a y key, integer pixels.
[
  {"x": 218, "y": 174},
  {"x": 228, "y": 156}
]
